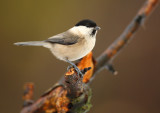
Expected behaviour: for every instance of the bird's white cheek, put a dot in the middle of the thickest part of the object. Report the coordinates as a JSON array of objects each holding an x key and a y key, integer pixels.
[
  {"x": 90, "y": 43},
  {"x": 81, "y": 31}
]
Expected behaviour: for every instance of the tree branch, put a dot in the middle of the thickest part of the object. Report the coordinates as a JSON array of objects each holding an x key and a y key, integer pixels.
[
  {"x": 72, "y": 93},
  {"x": 110, "y": 53}
]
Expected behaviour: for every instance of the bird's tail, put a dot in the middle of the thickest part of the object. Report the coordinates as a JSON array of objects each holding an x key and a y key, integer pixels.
[{"x": 30, "y": 43}]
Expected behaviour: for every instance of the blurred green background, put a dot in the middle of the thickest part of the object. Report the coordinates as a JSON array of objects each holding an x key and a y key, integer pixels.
[{"x": 136, "y": 89}]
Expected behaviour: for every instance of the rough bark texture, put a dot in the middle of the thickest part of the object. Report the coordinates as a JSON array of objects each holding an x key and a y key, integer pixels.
[{"x": 72, "y": 93}]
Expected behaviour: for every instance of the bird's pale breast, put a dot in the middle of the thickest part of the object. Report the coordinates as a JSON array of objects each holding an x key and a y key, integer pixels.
[{"x": 75, "y": 51}]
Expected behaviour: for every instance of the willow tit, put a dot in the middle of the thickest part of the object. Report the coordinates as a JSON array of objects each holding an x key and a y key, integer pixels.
[{"x": 72, "y": 44}]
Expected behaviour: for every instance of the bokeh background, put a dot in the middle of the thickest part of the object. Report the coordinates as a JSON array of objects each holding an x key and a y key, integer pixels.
[{"x": 136, "y": 89}]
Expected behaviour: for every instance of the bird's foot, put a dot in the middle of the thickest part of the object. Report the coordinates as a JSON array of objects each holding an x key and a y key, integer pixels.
[
  {"x": 76, "y": 69},
  {"x": 69, "y": 67}
]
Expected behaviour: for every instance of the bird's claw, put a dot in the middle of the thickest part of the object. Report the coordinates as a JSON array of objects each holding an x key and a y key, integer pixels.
[
  {"x": 76, "y": 69},
  {"x": 69, "y": 67}
]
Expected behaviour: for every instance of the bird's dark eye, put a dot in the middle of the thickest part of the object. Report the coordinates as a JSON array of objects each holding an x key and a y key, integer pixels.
[{"x": 93, "y": 32}]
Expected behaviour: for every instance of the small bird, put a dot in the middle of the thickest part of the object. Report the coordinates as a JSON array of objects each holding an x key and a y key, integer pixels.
[{"x": 72, "y": 44}]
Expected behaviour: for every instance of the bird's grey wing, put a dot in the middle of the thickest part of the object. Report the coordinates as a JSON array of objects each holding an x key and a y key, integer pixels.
[{"x": 65, "y": 38}]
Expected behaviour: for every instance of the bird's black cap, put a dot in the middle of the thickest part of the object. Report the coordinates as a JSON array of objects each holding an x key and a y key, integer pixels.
[{"x": 87, "y": 23}]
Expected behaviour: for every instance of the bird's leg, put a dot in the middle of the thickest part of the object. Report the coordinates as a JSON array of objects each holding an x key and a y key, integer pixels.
[{"x": 75, "y": 67}]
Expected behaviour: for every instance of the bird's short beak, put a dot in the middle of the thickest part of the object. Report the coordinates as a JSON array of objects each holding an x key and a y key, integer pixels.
[{"x": 97, "y": 28}]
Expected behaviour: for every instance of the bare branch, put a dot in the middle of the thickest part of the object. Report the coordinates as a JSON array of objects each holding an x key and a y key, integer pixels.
[
  {"x": 28, "y": 94},
  {"x": 125, "y": 37}
]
